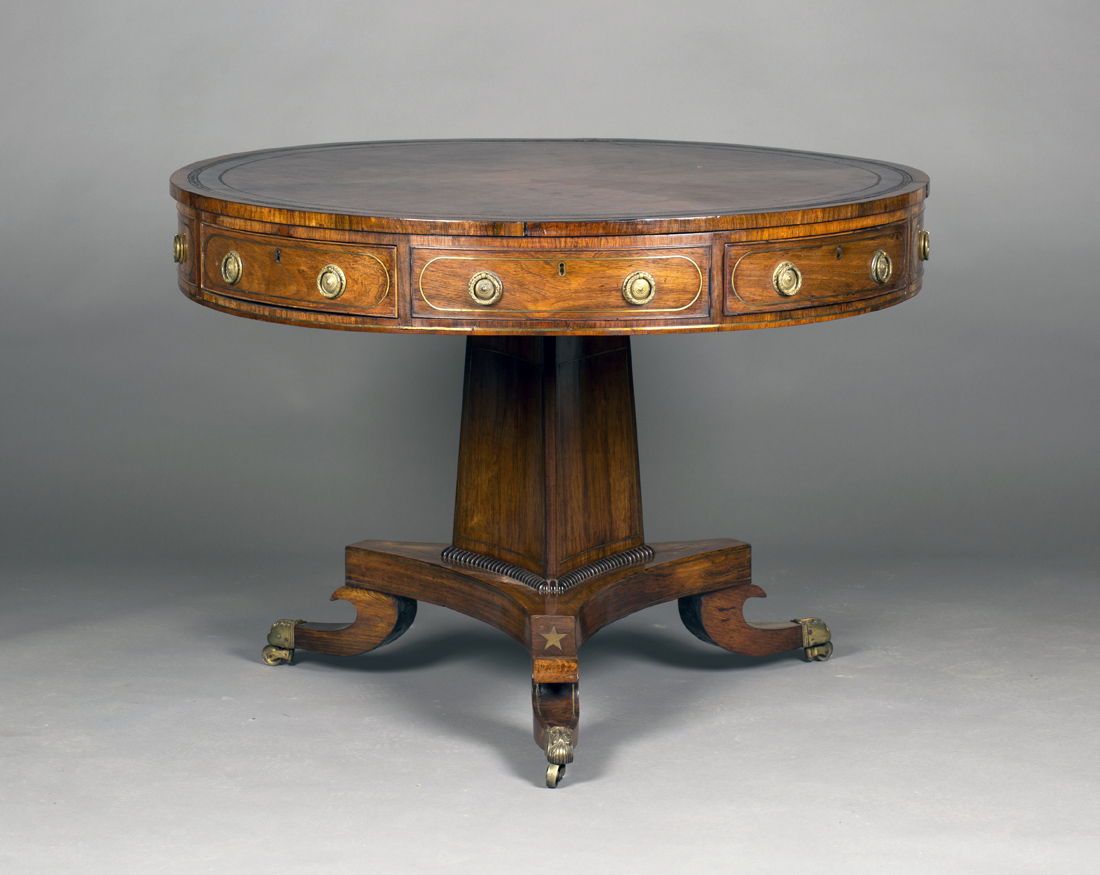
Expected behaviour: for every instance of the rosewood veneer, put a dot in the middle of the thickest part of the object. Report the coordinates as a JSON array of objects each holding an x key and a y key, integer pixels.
[{"x": 548, "y": 254}]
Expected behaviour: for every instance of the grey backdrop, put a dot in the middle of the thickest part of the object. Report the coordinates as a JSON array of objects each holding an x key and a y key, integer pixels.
[
  {"x": 140, "y": 433},
  {"x": 137, "y": 424}
]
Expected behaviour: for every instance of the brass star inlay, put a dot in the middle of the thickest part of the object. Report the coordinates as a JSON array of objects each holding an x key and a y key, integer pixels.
[{"x": 553, "y": 637}]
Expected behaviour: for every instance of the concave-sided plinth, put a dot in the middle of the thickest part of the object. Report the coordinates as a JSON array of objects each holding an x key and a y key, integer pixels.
[{"x": 548, "y": 544}]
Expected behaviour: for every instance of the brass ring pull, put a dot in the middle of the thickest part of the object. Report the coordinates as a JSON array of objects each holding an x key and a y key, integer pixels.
[
  {"x": 787, "y": 279},
  {"x": 485, "y": 288},
  {"x": 639, "y": 288},
  {"x": 924, "y": 244},
  {"x": 179, "y": 249},
  {"x": 331, "y": 281},
  {"x": 232, "y": 267},
  {"x": 881, "y": 267}
]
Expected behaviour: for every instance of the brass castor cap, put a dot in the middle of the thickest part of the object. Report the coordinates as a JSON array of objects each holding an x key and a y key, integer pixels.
[
  {"x": 559, "y": 745},
  {"x": 816, "y": 639},
  {"x": 282, "y": 633}
]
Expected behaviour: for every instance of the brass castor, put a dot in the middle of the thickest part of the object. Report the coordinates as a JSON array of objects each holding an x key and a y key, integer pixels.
[
  {"x": 816, "y": 639},
  {"x": 280, "y": 642},
  {"x": 554, "y": 774},
  {"x": 273, "y": 655},
  {"x": 559, "y": 751},
  {"x": 819, "y": 653}
]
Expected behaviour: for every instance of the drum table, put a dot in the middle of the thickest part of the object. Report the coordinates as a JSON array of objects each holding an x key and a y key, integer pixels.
[{"x": 548, "y": 255}]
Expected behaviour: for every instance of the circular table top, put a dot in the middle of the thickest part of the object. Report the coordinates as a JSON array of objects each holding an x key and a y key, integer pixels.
[
  {"x": 547, "y": 236},
  {"x": 474, "y": 186}
]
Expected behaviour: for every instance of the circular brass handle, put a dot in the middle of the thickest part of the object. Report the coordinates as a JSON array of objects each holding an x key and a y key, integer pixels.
[
  {"x": 881, "y": 267},
  {"x": 787, "y": 279},
  {"x": 485, "y": 288},
  {"x": 923, "y": 245},
  {"x": 639, "y": 288},
  {"x": 232, "y": 267},
  {"x": 179, "y": 249},
  {"x": 331, "y": 281}
]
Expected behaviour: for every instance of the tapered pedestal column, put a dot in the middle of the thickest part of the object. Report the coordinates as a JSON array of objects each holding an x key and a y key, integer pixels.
[
  {"x": 548, "y": 478},
  {"x": 548, "y": 543}
]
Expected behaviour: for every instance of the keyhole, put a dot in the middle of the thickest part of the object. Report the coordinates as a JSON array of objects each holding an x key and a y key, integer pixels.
[
  {"x": 561, "y": 268},
  {"x": 838, "y": 252},
  {"x": 278, "y": 256}
]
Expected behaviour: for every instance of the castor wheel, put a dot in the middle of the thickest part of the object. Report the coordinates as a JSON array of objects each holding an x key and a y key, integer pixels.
[
  {"x": 819, "y": 653},
  {"x": 273, "y": 655},
  {"x": 554, "y": 774}
]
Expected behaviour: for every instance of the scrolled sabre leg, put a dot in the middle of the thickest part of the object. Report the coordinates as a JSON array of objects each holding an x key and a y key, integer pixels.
[
  {"x": 817, "y": 640},
  {"x": 557, "y": 711},
  {"x": 718, "y": 618},
  {"x": 379, "y": 619}
]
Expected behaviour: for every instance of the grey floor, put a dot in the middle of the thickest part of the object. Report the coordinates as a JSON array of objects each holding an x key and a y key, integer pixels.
[{"x": 953, "y": 731}]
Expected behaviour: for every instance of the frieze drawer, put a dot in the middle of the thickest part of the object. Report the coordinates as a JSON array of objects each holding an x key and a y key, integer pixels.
[
  {"x": 561, "y": 284},
  {"x": 315, "y": 276},
  {"x": 788, "y": 276}
]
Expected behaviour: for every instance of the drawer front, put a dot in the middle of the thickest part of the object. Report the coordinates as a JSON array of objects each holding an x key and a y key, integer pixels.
[
  {"x": 829, "y": 270},
  {"x": 316, "y": 276},
  {"x": 562, "y": 284}
]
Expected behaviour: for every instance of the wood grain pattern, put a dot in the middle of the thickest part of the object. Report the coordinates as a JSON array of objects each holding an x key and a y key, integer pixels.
[
  {"x": 548, "y": 475},
  {"x": 555, "y": 704},
  {"x": 379, "y": 619},
  {"x": 551, "y": 218},
  {"x": 418, "y": 571},
  {"x": 707, "y": 565},
  {"x": 561, "y": 187},
  {"x": 561, "y": 284},
  {"x": 553, "y": 635},
  {"x": 555, "y": 670},
  {"x": 832, "y": 269},
  {"x": 718, "y": 618},
  {"x": 548, "y": 486},
  {"x": 285, "y": 272}
]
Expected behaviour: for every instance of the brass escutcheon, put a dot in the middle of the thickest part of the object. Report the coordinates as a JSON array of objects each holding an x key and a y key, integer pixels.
[
  {"x": 485, "y": 288},
  {"x": 179, "y": 249},
  {"x": 331, "y": 281},
  {"x": 232, "y": 267},
  {"x": 787, "y": 279},
  {"x": 924, "y": 244},
  {"x": 639, "y": 288},
  {"x": 881, "y": 267}
]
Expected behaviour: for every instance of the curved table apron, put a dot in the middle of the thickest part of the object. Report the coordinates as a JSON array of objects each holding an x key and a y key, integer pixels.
[{"x": 549, "y": 254}]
